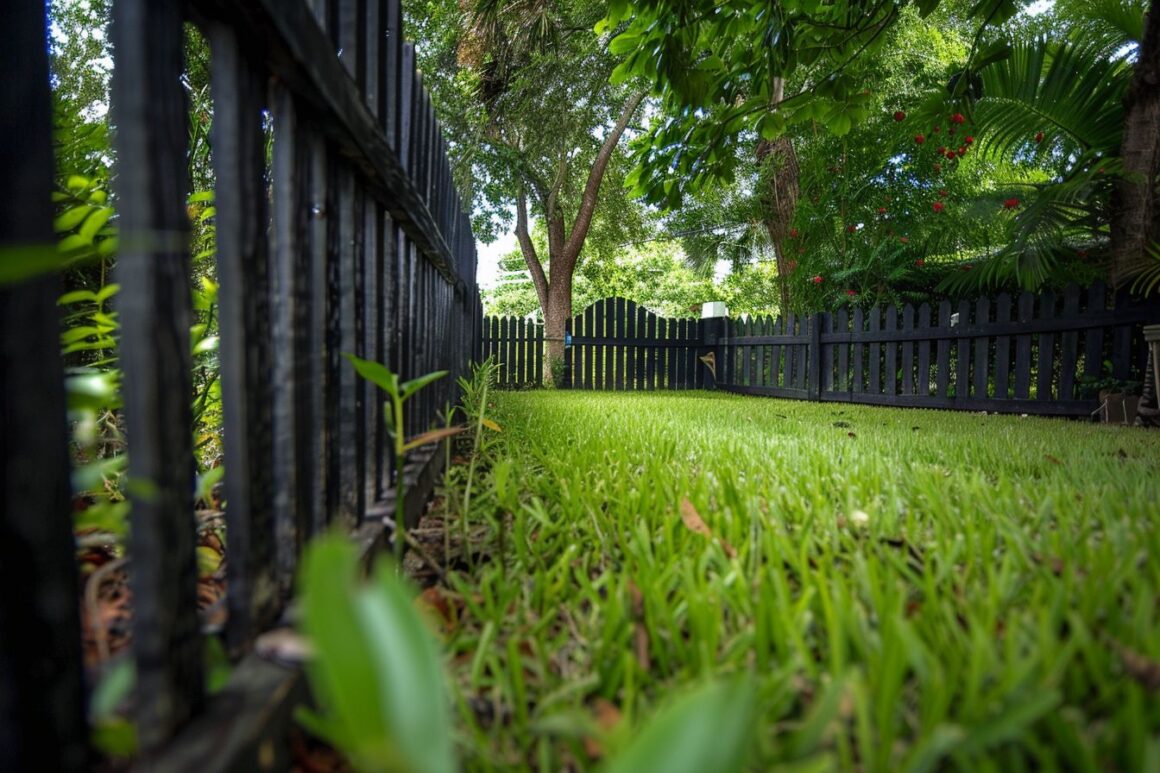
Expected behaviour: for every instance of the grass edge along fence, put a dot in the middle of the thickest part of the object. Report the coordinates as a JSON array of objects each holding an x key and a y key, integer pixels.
[
  {"x": 349, "y": 237},
  {"x": 1026, "y": 354}
]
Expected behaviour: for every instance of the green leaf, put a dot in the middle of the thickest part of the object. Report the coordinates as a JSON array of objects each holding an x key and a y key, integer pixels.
[
  {"x": 409, "y": 388},
  {"x": 107, "y": 292},
  {"x": 207, "y": 344},
  {"x": 708, "y": 729},
  {"x": 77, "y": 296},
  {"x": 624, "y": 44},
  {"x": 72, "y": 217},
  {"x": 95, "y": 223},
  {"x": 77, "y": 184},
  {"x": 113, "y": 687},
  {"x": 377, "y": 670},
  {"x": 21, "y": 262},
  {"x": 376, "y": 373}
]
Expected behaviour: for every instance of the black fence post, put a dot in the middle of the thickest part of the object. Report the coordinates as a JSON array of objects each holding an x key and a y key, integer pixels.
[
  {"x": 814, "y": 376},
  {"x": 42, "y": 722}
]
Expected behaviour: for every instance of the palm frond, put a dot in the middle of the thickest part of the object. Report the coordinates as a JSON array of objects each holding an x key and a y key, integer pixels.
[{"x": 1067, "y": 90}]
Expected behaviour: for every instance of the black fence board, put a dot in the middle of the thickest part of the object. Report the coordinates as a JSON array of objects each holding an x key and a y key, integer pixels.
[
  {"x": 1002, "y": 348},
  {"x": 42, "y": 717},
  {"x": 982, "y": 350},
  {"x": 842, "y": 325},
  {"x": 922, "y": 384},
  {"x": 243, "y": 271},
  {"x": 1023, "y": 348},
  {"x": 1046, "y": 349},
  {"x": 1069, "y": 346},
  {"x": 908, "y": 352},
  {"x": 289, "y": 272},
  {"x": 962, "y": 360}
]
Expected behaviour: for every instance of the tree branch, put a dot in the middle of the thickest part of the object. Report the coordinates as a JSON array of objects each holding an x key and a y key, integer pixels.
[
  {"x": 535, "y": 268},
  {"x": 592, "y": 188}
]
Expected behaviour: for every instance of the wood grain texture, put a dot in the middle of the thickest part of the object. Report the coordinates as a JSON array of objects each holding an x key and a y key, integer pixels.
[
  {"x": 149, "y": 110},
  {"x": 244, "y": 274}
]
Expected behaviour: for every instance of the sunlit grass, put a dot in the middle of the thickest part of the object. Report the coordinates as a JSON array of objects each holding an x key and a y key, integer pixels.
[{"x": 907, "y": 589}]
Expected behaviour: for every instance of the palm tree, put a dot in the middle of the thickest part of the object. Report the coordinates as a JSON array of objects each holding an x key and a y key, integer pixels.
[{"x": 1064, "y": 102}]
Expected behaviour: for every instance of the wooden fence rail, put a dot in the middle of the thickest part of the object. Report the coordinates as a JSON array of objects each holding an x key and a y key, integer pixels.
[
  {"x": 1030, "y": 354},
  {"x": 350, "y": 237}
]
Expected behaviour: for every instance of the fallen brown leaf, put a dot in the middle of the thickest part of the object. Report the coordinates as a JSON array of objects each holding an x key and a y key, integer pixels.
[
  {"x": 695, "y": 523},
  {"x": 642, "y": 648},
  {"x": 1142, "y": 668},
  {"x": 607, "y": 718},
  {"x": 637, "y": 599}
]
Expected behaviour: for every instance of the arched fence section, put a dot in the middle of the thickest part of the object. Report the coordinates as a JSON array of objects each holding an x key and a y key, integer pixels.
[{"x": 338, "y": 231}]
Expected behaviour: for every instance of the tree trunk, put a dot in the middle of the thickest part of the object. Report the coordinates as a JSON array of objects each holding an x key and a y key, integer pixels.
[
  {"x": 1135, "y": 224},
  {"x": 557, "y": 312},
  {"x": 780, "y": 195},
  {"x": 780, "y": 199}
]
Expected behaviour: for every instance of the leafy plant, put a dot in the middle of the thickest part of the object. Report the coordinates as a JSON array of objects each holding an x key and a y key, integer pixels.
[
  {"x": 474, "y": 401},
  {"x": 398, "y": 392},
  {"x": 376, "y": 672}
]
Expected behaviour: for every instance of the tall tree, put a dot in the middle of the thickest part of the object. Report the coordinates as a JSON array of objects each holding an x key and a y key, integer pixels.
[
  {"x": 522, "y": 86},
  {"x": 1135, "y": 225}
]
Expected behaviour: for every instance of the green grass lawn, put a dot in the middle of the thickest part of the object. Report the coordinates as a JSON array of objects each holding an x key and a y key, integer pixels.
[{"x": 905, "y": 589}]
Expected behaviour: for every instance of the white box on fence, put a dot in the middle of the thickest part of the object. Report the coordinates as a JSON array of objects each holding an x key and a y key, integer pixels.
[{"x": 713, "y": 309}]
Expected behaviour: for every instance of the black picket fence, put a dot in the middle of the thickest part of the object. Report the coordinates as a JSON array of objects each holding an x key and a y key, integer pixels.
[
  {"x": 1033, "y": 354},
  {"x": 517, "y": 344},
  {"x": 350, "y": 239}
]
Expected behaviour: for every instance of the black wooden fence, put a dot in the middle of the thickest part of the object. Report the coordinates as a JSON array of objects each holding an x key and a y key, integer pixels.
[
  {"x": 612, "y": 344},
  {"x": 351, "y": 238},
  {"x": 517, "y": 344},
  {"x": 1030, "y": 354}
]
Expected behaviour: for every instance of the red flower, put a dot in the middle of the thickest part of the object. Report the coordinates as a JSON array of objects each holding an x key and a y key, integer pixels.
[
  {"x": 942, "y": 151},
  {"x": 852, "y": 229},
  {"x": 920, "y": 262},
  {"x": 1039, "y": 136},
  {"x": 937, "y": 206},
  {"x": 904, "y": 239},
  {"x": 899, "y": 115},
  {"x": 968, "y": 139},
  {"x": 817, "y": 280},
  {"x": 882, "y": 210},
  {"x": 957, "y": 118},
  {"x": 942, "y": 193},
  {"x": 936, "y": 129},
  {"x": 793, "y": 233},
  {"x": 962, "y": 151},
  {"x": 919, "y": 139},
  {"x": 791, "y": 266},
  {"x": 851, "y": 293},
  {"x": 1011, "y": 203},
  {"x": 951, "y": 155}
]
